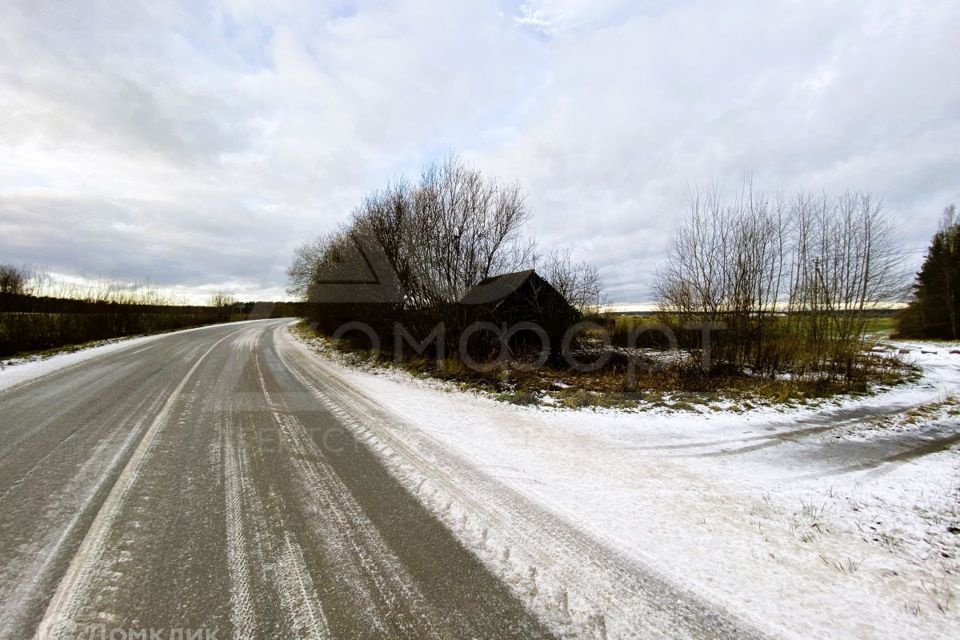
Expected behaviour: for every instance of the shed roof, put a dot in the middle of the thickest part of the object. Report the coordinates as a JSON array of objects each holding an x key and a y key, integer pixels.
[{"x": 497, "y": 287}]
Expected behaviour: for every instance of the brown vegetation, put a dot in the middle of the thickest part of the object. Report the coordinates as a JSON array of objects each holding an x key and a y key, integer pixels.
[{"x": 642, "y": 378}]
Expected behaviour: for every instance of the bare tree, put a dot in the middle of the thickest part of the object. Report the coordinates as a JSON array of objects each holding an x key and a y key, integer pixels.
[
  {"x": 306, "y": 261},
  {"x": 440, "y": 237},
  {"x": 726, "y": 265},
  {"x": 386, "y": 219},
  {"x": 578, "y": 282},
  {"x": 465, "y": 227},
  {"x": 846, "y": 261}
]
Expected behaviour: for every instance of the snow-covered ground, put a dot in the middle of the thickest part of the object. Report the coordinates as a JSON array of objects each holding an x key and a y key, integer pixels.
[{"x": 838, "y": 521}]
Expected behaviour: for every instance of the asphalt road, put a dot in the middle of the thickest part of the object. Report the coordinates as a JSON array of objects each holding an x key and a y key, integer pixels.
[{"x": 193, "y": 486}]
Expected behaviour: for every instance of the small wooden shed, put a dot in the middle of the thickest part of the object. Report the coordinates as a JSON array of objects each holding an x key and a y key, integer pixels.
[{"x": 512, "y": 298}]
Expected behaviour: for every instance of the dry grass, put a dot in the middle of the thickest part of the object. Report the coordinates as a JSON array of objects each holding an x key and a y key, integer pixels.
[
  {"x": 939, "y": 592},
  {"x": 677, "y": 385}
]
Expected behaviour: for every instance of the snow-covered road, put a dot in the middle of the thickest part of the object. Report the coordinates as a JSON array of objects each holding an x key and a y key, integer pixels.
[{"x": 190, "y": 486}]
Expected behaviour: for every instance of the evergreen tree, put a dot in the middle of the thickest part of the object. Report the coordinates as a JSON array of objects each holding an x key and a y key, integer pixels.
[{"x": 935, "y": 310}]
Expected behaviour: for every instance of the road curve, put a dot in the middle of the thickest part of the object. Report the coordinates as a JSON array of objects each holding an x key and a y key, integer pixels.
[{"x": 193, "y": 486}]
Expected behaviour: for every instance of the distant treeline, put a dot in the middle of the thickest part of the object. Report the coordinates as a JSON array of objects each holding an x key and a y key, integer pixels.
[{"x": 30, "y": 323}]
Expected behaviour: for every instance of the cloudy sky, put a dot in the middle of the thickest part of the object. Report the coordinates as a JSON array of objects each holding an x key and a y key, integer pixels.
[{"x": 196, "y": 144}]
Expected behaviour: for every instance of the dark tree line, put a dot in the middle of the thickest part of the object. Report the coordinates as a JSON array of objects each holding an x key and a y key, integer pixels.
[{"x": 934, "y": 311}]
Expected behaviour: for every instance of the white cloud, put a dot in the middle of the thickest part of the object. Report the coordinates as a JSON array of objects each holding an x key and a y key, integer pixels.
[
  {"x": 190, "y": 146},
  {"x": 193, "y": 145},
  {"x": 555, "y": 16},
  {"x": 812, "y": 95}
]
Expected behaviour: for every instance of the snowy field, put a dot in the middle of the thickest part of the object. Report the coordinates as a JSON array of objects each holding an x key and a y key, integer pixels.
[{"x": 837, "y": 521}]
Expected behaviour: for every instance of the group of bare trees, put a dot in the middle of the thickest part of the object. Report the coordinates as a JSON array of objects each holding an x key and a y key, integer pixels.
[
  {"x": 438, "y": 238},
  {"x": 792, "y": 280}
]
